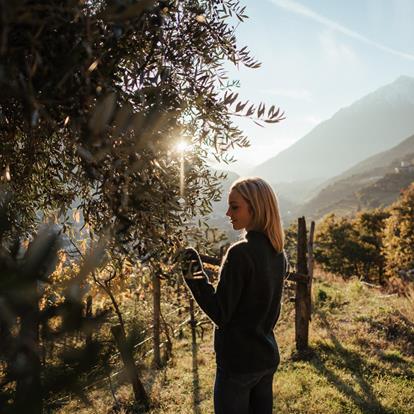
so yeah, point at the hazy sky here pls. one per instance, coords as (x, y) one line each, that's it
(317, 57)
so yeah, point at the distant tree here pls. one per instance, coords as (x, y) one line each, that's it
(95, 96)
(375, 244)
(329, 241)
(398, 245)
(291, 239)
(370, 228)
(338, 247)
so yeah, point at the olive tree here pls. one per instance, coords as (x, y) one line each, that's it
(95, 96)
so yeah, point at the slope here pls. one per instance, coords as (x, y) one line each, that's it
(371, 183)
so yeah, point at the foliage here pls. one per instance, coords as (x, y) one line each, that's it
(30, 375)
(399, 235)
(335, 245)
(352, 246)
(373, 244)
(370, 227)
(95, 95)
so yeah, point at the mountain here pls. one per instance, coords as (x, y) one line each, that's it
(374, 123)
(374, 182)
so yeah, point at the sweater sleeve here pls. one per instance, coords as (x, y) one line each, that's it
(219, 304)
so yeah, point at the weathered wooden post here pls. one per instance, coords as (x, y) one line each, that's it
(310, 265)
(302, 300)
(193, 322)
(168, 342)
(156, 296)
(131, 369)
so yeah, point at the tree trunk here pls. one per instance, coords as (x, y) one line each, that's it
(106, 287)
(88, 315)
(132, 371)
(156, 300)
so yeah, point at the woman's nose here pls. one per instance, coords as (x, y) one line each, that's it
(228, 212)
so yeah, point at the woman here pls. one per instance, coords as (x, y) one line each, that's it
(246, 304)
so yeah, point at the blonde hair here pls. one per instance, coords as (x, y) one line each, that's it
(265, 208)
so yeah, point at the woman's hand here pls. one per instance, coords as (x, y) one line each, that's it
(191, 264)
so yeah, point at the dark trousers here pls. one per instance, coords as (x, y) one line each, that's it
(243, 393)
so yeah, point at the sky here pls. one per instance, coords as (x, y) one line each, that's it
(317, 57)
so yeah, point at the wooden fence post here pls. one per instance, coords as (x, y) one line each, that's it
(302, 302)
(132, 371)
(310, 265)
(156, 296)
(192, 322)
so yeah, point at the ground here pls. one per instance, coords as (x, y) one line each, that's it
(361, 360)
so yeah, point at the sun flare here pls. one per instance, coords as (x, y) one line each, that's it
(182, 146)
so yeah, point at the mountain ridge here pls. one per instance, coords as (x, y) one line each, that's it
(373, 123)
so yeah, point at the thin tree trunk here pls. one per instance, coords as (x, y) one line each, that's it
(132, 370)
(88, 314)
(156, 300)
(116, 308)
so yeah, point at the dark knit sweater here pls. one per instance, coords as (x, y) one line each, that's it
(246, 305)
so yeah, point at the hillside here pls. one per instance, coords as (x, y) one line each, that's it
(370, 125)
(379, 162)
(362, 361)
(369, 184)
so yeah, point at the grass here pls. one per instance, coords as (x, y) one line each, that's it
(361, 361)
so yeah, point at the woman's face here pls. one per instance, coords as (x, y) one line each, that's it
(239, 211)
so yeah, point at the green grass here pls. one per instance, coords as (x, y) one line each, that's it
(361, 361)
